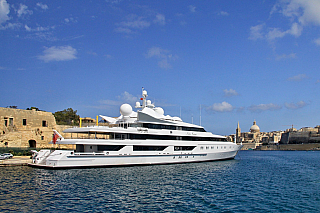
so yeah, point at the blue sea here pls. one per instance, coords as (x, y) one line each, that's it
(256, 181)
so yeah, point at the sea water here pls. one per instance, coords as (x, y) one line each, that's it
(256, 181)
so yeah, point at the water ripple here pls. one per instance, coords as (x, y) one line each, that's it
(258, 182)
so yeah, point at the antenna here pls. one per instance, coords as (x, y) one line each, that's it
(200, 114)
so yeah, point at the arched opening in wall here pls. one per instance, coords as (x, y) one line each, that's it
(32, 144)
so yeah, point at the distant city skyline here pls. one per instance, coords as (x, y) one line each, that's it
(240, 61)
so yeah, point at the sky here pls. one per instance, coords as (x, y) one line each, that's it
(214, 63)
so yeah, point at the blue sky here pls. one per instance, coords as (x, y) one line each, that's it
(236, 60)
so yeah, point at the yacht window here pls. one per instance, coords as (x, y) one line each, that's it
(110, 147)
(149, 148)
(183, 148)
(79, 148)
(161, 126)
(155, 137)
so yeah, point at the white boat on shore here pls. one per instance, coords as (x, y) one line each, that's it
(145, 137)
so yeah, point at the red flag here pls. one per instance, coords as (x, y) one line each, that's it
(55, 137)
(141, 99)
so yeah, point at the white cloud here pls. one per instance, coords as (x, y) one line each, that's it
(62, 53)
(256, 32)
(37, 29)
(295, 30)
(160, 19)
(300, 13)
(129, 98)
(298, 105)
(223, 13)
(164, 56)
(132, 24)
(275, 33)
(192, 8)
(42, 6)
(23, 10)
(230, 92)
(305, 11)
(4, 11)
(110, 102)
(221, 107)
(10, 26)
(284, 56)
(299, 77)
(123, 98)
(317, 41)
(264, 107)
(70, 20)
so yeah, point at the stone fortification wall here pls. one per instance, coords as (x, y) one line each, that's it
(300, 138)
(285, 147)
(27, 128)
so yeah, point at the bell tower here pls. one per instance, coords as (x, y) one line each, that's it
(238, 133)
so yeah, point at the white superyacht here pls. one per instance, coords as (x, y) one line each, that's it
(144, 137)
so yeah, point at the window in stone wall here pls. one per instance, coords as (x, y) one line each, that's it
(42, 137)
(24, 122)
(11, 121)
(5, 121)
(44, 123)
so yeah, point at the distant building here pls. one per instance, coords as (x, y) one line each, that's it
(27, 128)
(302, 136)
(255, 138)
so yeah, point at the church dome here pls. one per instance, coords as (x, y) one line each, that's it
(254, 127)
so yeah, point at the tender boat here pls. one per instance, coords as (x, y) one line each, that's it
(145, 137)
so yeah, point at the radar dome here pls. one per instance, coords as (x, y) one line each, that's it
(125, 109)
(159, 110)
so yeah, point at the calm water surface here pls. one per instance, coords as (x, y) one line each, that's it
(256, 181)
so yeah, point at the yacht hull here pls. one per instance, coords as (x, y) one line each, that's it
(63, 159)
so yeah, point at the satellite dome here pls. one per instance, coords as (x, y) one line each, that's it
(176, 119)
(125, 109)
(159, 110)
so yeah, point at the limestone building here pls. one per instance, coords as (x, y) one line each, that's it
(304, 135)
(26, 128)
(255, 137)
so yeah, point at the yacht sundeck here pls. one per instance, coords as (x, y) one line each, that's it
(144, 137)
